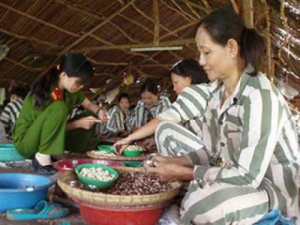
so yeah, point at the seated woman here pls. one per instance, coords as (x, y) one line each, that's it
(119, 115)
(12, 110)
(249, 161)
(40, 129)
(184, 75)
(149, 106)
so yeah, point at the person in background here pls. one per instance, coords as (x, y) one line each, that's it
(12, 110)
(149, 106)
(80, 139)
(40, 129)
(117, 124)
(249, 159)
(184, 75)
(3, 135)
(147, 109)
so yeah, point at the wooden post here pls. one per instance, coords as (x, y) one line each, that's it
(156, 22)
(248, 13)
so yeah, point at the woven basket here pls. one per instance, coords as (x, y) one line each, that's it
(117, 158)
(103, 199)
(9, 153)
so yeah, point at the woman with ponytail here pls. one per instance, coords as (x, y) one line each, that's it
(42, 124)
(247, 162)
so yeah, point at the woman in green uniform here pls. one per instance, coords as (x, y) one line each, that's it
(42, 124)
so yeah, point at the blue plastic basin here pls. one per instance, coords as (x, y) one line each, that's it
(21, 190)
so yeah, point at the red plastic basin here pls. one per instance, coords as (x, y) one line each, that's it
(69, 164)
(99, 215)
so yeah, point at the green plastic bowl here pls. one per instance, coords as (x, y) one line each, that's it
(132, 153)
(133, 163)
(96, 183)
(107, 148)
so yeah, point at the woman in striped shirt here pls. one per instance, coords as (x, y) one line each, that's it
(247, 162)
(12, 110)
(149, 106)
(119, 115)
(183, 74)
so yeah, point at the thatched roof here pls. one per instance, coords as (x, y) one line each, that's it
(39, 32)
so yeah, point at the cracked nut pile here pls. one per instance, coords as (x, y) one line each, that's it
(103, 153)
(133, 148)
(137, 183)
(97, 174)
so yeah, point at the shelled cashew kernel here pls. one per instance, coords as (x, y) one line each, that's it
(133, 148)
(97, 174)
(103, 153)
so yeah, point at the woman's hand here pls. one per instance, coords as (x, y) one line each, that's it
(167, 168)
(120, 145)
(86, 122)
(103, 115)
(171, 171)
(149, 143)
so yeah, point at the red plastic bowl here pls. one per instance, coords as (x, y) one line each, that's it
(69, 164)
(99, 215)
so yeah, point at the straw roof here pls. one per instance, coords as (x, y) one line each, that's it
(39, 32)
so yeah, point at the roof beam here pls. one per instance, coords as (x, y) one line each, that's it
(22, 65)
(38, 20)
(87, 34)
(28, 38)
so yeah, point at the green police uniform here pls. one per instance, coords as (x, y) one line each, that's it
(43, 129)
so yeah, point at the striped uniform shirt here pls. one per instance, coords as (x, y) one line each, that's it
(141, 115)
(76, 111)
(118, 120)
(10, 114)
(251, 139)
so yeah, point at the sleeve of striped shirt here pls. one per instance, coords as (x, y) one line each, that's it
(9, 114)
(262, 121)
(164, 105)
(115, 123)
(138, 117)
(191, 103)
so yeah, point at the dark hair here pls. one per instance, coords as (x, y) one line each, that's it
(73, 64)
(149, 86)
(225, 24)
(123, 95)
(190, 68)
(18, 90)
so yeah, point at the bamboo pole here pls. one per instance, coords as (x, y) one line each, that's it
(29, 38)
(205, 9)
(269, 72)
(248, 13)
(235, 6)
(183, 11)
(87, 34)
(23, 66)
(137, 23)
(287, 29)
(177, 11)
(192, 9)
(156, 22)
(179, 29)
(38, 20)
(205, 3)
(95, 16)
(150, 19)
